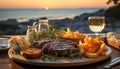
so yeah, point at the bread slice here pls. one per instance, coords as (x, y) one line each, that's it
(113, 39)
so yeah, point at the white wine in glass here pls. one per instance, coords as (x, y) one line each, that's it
(96, 24)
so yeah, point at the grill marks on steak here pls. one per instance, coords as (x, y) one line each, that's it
(41, 43)
(59, 47)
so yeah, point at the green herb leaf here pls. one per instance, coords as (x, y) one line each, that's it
(46, 57)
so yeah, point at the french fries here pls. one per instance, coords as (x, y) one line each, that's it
(73, 35)
(92, 47)
(82, 51)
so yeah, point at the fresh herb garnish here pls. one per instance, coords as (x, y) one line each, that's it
(73, 55)
(46, 57)
(51, 33)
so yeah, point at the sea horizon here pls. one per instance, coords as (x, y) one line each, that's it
(51, 13)
(55, 8)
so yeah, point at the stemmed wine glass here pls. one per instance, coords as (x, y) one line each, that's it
(96, 24)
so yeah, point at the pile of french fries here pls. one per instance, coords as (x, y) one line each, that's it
(89, 46)
(73, 35)
(92, 47)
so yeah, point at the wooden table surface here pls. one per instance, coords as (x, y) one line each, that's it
(6, 63)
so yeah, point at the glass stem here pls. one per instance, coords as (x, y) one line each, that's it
(96, 34)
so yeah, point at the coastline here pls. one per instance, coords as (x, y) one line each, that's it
(79, 23)
(53, 13)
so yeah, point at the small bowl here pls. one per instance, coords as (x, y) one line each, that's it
(4, 44)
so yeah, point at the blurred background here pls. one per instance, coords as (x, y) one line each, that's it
(16, 15)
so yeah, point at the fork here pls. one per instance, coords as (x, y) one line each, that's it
(112, 63)
(115, 59)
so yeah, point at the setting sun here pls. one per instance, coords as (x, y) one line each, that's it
(46, 8)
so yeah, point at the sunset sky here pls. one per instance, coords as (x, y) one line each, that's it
(52, 3)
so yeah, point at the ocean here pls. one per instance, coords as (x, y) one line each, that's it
(26, 14)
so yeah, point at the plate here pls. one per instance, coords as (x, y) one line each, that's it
(4, 48)
(61, 61)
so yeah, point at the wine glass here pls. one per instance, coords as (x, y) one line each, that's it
(96, 24)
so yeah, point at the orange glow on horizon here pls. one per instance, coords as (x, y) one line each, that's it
(52, 3)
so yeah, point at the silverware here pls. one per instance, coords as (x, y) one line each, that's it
(113, 62)
(117, 58)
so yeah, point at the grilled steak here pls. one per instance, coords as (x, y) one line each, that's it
(58, 47)
(40, 43)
